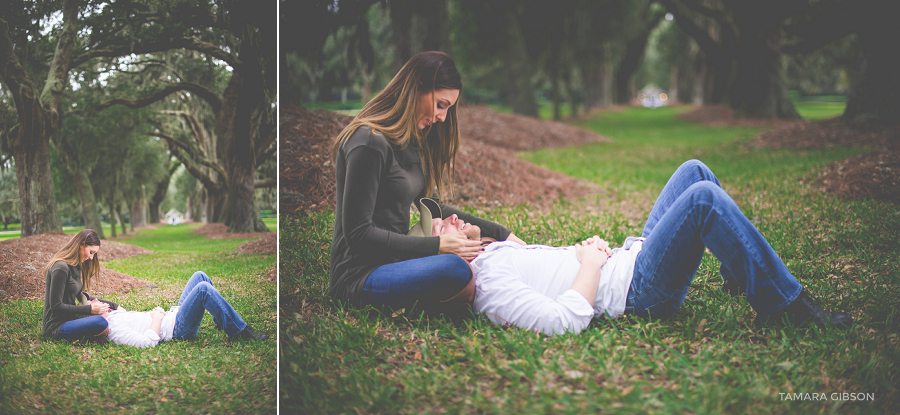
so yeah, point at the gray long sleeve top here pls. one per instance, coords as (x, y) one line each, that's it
(377, 183)
(61, 291)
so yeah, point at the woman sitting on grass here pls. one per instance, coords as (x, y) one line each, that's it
(146, 329)
(69, 312)
(559, 289)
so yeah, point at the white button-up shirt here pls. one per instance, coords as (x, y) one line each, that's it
(132, 328)
(530, 286)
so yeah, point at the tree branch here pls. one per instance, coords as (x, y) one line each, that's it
(59, 68)
(201, 91)
(175, 147)
(158, 46)
(710, 47)
(269, 182)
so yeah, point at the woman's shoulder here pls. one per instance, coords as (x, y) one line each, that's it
(368, 137)
(58, 266)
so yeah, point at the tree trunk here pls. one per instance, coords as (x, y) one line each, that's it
(243, 96)
(30, 145)
(401, 22)
(138, 212)
(120, 220)
(874, 95)
(112, 220)
(90, 210)
(518, 68)
(631, 61)
(758, 90)
(437, 35)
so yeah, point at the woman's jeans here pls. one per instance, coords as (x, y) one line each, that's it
(82, 328)
(692, 213)
(199, 295)
(429, 279)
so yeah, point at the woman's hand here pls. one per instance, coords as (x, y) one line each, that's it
(594, 250)
(98, 307)
(459, 244)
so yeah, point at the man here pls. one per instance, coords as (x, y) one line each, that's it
(182, 321)
(558, 289)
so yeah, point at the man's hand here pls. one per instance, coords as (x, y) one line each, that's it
(593, 250)
(157, 313)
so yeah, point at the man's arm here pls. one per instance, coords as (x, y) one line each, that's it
(592, 254)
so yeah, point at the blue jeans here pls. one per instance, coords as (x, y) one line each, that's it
(692, 213)
(199, 295)
(81, 328)
(428, 279)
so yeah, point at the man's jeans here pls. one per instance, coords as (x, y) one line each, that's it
(429, 279)
(81, 328)
(692, 213)
(199, 295)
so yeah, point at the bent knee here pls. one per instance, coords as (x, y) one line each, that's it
(455, 271)
(707, 191)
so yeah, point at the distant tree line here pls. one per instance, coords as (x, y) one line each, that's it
(104, 101)
(588, 54)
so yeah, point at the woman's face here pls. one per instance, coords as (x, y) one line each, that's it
(88, 252)
(433, 106)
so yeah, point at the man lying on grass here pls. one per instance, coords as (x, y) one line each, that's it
(558, 289)
(146, 329)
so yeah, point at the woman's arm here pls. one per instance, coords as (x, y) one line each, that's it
(57, 289)
(364, 169)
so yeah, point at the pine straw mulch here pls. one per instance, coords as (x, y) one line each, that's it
(264, 242)
(488, 173)
(875, 174)
(22, 264)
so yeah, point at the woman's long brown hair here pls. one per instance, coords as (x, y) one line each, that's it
(70, 253)
(393, 113)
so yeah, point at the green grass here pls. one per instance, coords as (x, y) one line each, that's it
(15, 229)
(819, 110)
(706, 359)
(205, 375)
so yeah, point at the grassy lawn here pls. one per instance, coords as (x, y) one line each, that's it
(15, 229)
(205, 375)
(707, 359)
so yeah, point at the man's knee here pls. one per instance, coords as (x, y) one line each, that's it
(707, 191)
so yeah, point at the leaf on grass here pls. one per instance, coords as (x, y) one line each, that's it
(574, 374)
(418, 355)
(398, 312)
(627, 390)
(700, 326)
(786, 365)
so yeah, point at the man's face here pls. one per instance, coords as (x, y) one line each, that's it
(452, 224)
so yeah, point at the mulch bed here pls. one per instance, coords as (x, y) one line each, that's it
(723, 116)
(22, 264)
(264, 242)
(488, 173)
(875, 174)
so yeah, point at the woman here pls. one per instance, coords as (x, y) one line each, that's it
(182, 321)
(398, 149)
(559, 289)
(68, 278)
